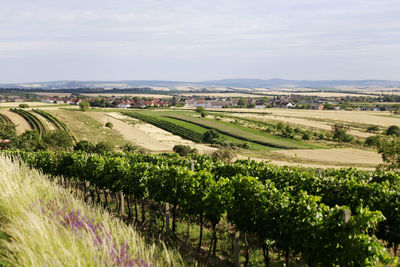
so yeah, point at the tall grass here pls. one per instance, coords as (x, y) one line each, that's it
(42, 224)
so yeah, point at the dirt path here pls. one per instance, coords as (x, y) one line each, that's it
(21, 124)
(148, 135)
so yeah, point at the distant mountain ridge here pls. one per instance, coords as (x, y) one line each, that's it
(235, 83)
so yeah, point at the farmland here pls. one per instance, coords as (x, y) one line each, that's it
(201, 224)
(236, 127)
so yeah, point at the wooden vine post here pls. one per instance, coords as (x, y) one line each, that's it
(122, 203)
(167, 217)
(236, 250)
(346, 217)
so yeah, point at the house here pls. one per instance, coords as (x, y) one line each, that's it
(123, 105)
(75, 101)
(316, 106)
(290, 105)
(46, 100)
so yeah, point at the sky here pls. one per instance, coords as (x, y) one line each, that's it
(192, 40)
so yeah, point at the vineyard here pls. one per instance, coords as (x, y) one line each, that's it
(168, 126)
(331, 217)
(32, 120)
(4, 119)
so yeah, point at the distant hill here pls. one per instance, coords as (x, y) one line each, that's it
(227, 83)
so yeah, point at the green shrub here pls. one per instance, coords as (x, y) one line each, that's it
(223, 154)
(85, 146)
(372, 140)
(23, 105)
(103, 147)
(109, 124)
(183, 150)
(210, 136)
(373, 129)
(306, 135)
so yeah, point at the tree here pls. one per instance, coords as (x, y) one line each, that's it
(339, 132)
(84, 105)
(389, 148)
(109, 124)
(393, 130)
(203, 114)
(242, 103)
(210, 136)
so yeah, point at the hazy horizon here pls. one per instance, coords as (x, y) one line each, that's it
(104, 40)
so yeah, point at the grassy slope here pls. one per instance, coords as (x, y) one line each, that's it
(84, 127)
(39, 237)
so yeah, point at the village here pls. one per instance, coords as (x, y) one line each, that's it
(285, 102)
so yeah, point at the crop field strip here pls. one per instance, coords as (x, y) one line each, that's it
(199, 129)
(33, 121)
(168, 126)
(243, 133)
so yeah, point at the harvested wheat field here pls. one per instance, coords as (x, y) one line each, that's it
(21, 124)
(130, 133)
(344, 156)
(364, 117)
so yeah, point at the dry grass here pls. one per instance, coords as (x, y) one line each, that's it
(84, 127)
(38, 236)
